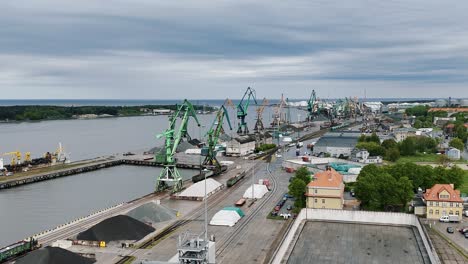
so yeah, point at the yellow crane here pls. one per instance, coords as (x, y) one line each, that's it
(27, 157)
(15, 157)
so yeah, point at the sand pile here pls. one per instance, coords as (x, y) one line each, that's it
(152, 213)
(117, 228)
(53, 255)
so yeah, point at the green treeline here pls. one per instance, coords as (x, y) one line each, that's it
(45, 112)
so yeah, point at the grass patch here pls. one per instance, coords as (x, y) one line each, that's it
(464, 187)
(130, 260)
(269, 216)
(420, 157)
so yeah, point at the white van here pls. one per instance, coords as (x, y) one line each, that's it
(449, 218)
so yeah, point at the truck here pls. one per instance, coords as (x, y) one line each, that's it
(450, 218)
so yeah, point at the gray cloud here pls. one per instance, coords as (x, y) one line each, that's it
(169, 49)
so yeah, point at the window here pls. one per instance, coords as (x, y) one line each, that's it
(429, 203)
(315, 200)
(451, 212)
(457, 212)
(323, 200)
(451, 204)
(437, 212)
(431, 212)
(315, 190)
(437, 204)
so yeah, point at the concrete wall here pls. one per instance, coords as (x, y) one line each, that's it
(355, 217)
(334, 151)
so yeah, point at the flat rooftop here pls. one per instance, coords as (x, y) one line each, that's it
(331, 242)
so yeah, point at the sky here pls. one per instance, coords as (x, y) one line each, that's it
(196, 49)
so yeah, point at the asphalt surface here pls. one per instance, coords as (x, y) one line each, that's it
(326, 242)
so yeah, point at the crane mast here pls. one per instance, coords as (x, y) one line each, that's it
(242, 108)
(213, 134)
(312, 106)
(259, 127)
(172, 137)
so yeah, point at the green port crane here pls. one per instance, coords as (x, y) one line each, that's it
(242, 108)
(216, 129)
(172, 139)
(311, 106)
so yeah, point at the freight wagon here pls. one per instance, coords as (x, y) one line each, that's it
(18, 249)
(233, 180)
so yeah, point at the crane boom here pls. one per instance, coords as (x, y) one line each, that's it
(242, 108)
(259, 124)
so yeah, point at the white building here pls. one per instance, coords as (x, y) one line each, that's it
(240, 146)
(401, 134)
(454, 153)
(363, 156)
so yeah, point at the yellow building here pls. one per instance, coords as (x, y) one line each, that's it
(326, 191)
(442, 200)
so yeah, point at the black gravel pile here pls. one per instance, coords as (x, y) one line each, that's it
(53, 255)
(117, 228)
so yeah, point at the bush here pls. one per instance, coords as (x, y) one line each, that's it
(265, 147)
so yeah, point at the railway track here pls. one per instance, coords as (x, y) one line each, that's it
(232, 236)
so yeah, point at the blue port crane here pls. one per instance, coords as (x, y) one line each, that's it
(169, 173)
(242, 108)
(216, 129)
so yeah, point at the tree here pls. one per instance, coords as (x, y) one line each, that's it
(443, 160)
(389, 144)
(374, 138)
(407, 147)
(297, 188)
(404, 191)
(362, 138)
(455, 176)
(392, 154)
(373, 148)
(303, 174)
(418, 124)
(457, 143)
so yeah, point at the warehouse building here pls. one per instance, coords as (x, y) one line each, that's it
(337, 144)
(240, 146)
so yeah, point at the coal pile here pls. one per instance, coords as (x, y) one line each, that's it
(53, 255)
(117, 228)
(152, 213)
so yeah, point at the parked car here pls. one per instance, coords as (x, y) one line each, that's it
(274, 213)
(450, 230)
(289, 208)
(466, 235)
(463, 230)
(277, 208)
(352, 193)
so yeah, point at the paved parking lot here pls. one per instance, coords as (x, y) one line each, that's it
(456, 237)
(327, 242)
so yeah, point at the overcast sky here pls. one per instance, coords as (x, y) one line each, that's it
(151, 49)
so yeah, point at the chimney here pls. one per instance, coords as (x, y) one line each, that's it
(453, 186)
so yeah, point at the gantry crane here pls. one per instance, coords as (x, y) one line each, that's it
(216, 129)
(259, 127)
(172, 139)
(242, 108)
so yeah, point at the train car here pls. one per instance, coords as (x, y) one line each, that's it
(18, 249)
(233, 180)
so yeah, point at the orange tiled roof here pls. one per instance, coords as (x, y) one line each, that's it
(448, 109)
(433, 193)
(329, 178)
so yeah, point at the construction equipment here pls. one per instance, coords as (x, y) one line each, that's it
(242, 108)
(259, 127)
(277, 119)
(27, 157)
(213, 134)
(312, 107)
(172, 139)
(15, 157)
